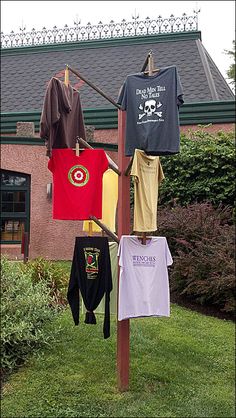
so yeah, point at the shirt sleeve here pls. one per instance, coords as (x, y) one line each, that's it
(169, 259)
(180, 99)
(104, 162)
(134, 168)
(73, 287)
(82, 132)
(50, 112)
(51, 164)
(122, 99)
(120, 252)
(160, 173)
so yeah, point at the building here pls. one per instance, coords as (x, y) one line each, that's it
(104, 54)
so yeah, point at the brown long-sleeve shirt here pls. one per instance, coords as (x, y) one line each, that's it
(62, 116)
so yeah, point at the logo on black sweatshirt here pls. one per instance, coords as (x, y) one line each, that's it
(91, 262)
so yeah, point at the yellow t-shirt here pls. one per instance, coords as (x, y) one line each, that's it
(109, 202)
(147, 173)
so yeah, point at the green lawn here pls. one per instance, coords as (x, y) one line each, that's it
(181, 366)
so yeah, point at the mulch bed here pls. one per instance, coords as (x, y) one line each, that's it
(205, 310)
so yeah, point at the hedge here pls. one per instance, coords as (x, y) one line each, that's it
(202, 171)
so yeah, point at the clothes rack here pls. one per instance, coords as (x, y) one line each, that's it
(77, 148)
(150, 64)
(127, 171)
(86, 145)
(90, 232)
(67, 81)
(123, 327)
(112, 164)
(101, 92)
(105, 228)
(146, 61)
(114, 167)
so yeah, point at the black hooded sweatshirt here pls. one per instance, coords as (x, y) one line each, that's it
(91, 276)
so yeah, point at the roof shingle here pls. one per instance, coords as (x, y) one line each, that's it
(25, 74)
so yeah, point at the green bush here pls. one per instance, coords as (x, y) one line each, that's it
(202, 171)
(24, 312)
(201, 239)
(55, 278)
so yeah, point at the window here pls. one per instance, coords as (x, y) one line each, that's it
(15, 203)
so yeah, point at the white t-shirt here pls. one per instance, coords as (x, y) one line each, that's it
(143, 281)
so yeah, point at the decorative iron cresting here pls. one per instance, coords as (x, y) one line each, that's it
(100, 31)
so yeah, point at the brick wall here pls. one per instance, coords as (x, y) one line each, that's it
(53, 238)
(48, 238)
(226, 127)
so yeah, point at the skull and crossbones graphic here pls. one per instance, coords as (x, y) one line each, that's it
(149, 109)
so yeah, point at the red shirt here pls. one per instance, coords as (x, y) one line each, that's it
(77, 183)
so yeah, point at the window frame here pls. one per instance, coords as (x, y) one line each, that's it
(21, 216)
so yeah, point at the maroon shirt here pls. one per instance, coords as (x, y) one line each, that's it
(62, 116)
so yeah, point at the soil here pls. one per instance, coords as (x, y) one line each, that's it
(205, 310)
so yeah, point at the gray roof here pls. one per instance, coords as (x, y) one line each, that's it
(25, 72)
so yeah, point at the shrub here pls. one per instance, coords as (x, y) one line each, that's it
(202, 171)
(24, 311)
(185, 225)
(201, 240)
(206, 273)
(54, 277)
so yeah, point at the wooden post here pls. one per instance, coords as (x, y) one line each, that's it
(79, 75)
(144, 238)
(104, 228)
(77, 149)
(123, 336)
(66, 76)
(111, 163)
(150, 64)
(90, 232)
(123, 228)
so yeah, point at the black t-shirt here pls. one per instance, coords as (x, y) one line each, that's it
(151, 102)
(91, 276)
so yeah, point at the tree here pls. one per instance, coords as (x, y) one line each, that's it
(231, 70)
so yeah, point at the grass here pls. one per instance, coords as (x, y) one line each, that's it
(181, 366)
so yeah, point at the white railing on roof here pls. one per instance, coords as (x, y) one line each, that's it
(100, 31)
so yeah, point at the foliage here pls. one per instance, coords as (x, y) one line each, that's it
(53, 275)
(201, 239)
(24, 311)
(202, 171)
(182, 366)
(231, 70)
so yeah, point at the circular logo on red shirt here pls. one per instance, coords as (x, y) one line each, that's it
(78, 175)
